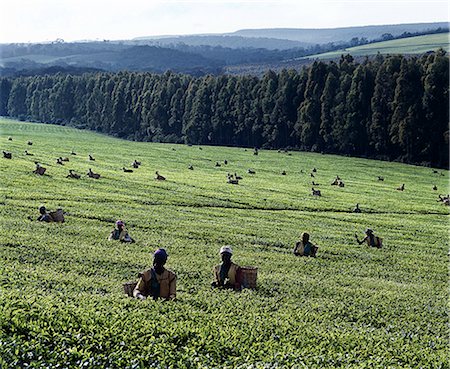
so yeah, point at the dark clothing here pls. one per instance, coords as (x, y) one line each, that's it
(372, 241)
(45, 218)
(223, 273)
(227, 276)
(307, 249)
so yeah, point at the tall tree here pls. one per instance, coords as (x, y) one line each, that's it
(405, 128)
(198, 127)
(358, 111)
(269, 86)
(5, 90)
(383, 96)
(308, 122)
(435, 104)
(17, 98)
(327, 100)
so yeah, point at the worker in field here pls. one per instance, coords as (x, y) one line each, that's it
(304, 247)
(120, 233)
(357, 209)
(370, 239)
(157, 282)
(227, 274)
(44, 216)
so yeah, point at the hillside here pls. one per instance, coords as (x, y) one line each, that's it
(284, 38)
(106, 56)
(61, 298)
(412, 45)
(199, 54)
(228, 41)
(326, 35)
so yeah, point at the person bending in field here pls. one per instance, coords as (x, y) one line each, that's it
(227, 274)
(357, 209)
(304, 247)
(120, 233)
(44, 216)
(370, 239)
(157, 282)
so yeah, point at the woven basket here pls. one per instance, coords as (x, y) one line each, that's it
(40, 171)
(128, 288)
(57, 216)
(249, 276)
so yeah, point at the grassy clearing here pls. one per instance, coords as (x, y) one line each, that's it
(411, 45)
(61, 299)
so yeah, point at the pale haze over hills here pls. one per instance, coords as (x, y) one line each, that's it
(284, 38)
(48, 20)
(207, 35)
(233, 53)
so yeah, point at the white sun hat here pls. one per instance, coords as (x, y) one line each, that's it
(226, 249)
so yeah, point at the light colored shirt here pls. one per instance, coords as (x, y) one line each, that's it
(167, 284)
(122, 234)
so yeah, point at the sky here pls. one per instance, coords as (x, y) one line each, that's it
(72, 20)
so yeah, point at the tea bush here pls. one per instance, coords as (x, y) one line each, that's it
(61, 299)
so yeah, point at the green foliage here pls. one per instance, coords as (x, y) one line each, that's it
(61, 298)
(392, 108)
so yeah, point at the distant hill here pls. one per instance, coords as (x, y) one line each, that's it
(411, 45)
(228, 41)
(241, 51)
(147, 58)
(326, 35)
(104, 56)
(38, 70)
(286, 38)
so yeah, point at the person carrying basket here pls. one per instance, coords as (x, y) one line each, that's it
(227, 274)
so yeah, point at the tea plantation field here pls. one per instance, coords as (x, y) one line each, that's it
(61, 298)
(410, 45)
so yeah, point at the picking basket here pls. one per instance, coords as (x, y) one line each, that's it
(40, 171)
(249, 276)
(128, 288)
(57, 216)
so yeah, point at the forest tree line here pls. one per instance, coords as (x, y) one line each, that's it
(392, 108)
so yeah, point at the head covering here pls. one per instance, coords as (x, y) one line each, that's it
(42, 207)
(160, 253)
(120, 223)
(368, 230)
(305, 236)
(226, 249)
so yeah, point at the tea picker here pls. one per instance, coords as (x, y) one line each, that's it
(157, 282)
